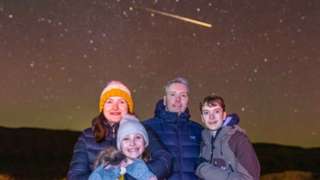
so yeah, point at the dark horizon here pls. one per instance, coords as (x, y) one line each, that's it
(79, 131)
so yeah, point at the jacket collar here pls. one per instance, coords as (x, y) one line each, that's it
(110, 131)
(221, 133)
(170, 117)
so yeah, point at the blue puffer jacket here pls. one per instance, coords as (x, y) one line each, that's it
(181, 136)
(86, 150)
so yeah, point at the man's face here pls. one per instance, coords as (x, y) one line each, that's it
(212, 116)
(176, 98)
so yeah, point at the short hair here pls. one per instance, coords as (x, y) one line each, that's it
(179, 80)
(213, 100)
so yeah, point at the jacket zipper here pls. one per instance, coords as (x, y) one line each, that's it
(113, 131)
(213, 139)
(113, 135)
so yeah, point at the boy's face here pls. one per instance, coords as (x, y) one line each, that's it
(212, 116)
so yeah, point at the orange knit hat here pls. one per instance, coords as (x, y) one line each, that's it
(116, 88)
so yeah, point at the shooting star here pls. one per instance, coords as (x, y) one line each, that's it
(207, 25)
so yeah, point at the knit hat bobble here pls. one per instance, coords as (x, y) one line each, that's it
(131, 125)
(116, 88)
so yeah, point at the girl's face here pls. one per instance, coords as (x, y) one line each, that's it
(114, 109)
(132, 146)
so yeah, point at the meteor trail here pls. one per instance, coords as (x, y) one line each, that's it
(180, 18)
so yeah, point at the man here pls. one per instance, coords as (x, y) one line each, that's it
(179, 134)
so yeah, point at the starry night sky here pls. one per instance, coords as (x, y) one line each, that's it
(263, 57)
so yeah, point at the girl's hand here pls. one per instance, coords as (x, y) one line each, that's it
(153, 178)
(139, 170)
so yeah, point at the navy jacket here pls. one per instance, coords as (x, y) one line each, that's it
(181, 136)
(86, 150)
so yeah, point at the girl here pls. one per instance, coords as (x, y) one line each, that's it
(132, 139)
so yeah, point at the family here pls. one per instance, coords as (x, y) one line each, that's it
(167, 146)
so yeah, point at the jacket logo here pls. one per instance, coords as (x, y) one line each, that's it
(193, 137)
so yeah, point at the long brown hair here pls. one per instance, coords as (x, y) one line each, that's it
(99, 131)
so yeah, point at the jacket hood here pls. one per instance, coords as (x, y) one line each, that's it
(161, 112)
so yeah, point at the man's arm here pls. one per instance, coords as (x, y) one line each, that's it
(161, 159)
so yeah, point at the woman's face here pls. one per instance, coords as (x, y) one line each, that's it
(132, 145)
(114, 109)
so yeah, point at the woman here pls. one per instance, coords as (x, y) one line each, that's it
(115, 102)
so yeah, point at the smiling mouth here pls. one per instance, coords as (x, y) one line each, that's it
(213, 122)
(115, 113)
(133, 150)
(177, 106)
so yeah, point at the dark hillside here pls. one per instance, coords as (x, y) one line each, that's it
(28, 153)
(279, 158)
(33, 153)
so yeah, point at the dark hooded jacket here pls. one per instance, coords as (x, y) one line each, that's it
(181, 136)
(86, 150)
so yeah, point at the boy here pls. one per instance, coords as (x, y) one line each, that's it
(226, 152)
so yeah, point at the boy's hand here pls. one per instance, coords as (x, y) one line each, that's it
(220, 163)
